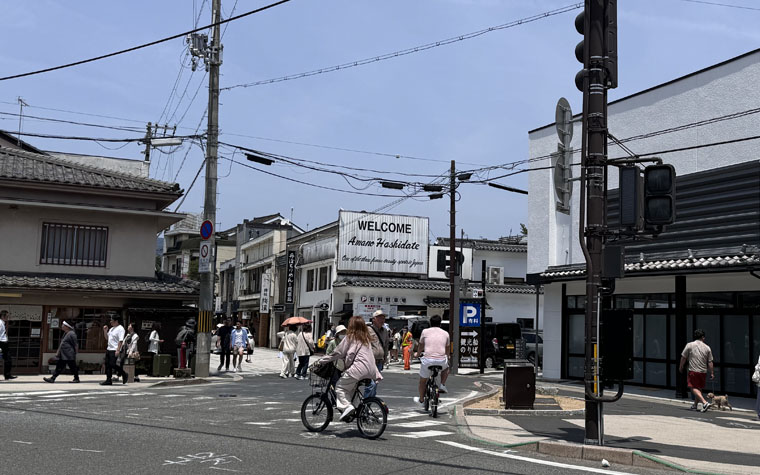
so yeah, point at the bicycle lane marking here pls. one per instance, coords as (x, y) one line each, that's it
(532, 460)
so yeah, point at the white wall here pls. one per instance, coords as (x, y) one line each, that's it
(730, 88)
(552, 318)
(515, 264)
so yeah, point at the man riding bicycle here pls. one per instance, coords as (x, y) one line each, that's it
(434, 342)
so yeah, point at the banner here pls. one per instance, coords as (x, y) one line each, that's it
(372, 242)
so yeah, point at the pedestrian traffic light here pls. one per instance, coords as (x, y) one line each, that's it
(659, 195)
(616, 344)
(631, 198)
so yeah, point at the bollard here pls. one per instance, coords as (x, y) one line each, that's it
(183, 356)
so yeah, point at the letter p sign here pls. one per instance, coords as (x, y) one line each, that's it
(469, 315)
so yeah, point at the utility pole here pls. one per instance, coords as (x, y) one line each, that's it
(453, 265)
(21, 104)
(213, 60)
(148, 137)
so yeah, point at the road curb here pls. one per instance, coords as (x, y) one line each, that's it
(180, 382)
(523, 412)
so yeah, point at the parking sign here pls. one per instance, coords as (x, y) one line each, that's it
(469, 315)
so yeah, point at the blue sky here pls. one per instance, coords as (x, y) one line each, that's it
(473, 101)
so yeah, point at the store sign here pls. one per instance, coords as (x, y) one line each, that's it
(440, 257)
(373, 242)
(146, 325)
(31, 313)
(265, 290)
(290, 276)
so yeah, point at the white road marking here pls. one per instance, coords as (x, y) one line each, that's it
(532, 460)
(422, 434)
(251, 404)
(415, 424)
(81, 394)
(259, 423)
(87, 450)
(270, 402)
(35, 393)
(21, 442)
(171, 395)
(270, 408)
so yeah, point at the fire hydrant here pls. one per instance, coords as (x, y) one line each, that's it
(183, 356)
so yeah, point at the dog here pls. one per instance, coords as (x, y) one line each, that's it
(720, 401)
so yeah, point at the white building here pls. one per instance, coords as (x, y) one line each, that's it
(697, 274)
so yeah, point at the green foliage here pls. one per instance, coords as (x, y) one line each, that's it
(523, 229)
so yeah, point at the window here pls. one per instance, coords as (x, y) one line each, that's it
(324, 277)
(73, 245)
(310, 280)
(88, 326)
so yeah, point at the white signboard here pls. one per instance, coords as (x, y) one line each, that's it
(204, 259)
(365, 310)
(372, 242)
(265, 286)
(439, 259)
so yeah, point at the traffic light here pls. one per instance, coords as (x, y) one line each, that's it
(598, 25)
(659, 195)
(631, 198)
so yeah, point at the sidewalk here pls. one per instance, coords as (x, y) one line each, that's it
(647, 420)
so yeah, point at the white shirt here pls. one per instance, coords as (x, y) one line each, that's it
(115, 335)
(3, 334)
(154, 339)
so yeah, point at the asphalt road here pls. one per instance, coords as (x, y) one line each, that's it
(247, 426)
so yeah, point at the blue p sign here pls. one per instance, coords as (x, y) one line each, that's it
(469, 315)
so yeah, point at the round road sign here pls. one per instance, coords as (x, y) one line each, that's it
(206, 229)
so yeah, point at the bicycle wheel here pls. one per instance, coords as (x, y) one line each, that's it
(426, 403)
(316, 413)
(372, 418)
(434, 402)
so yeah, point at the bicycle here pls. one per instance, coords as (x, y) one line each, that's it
(371, 413)
(432, 391)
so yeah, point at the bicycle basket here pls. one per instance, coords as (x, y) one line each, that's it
(324, 371)
(317, 381)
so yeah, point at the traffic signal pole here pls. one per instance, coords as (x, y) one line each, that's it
(593, 165)
(453, 265)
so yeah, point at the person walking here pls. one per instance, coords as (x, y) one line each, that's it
(379, 341)
(7, 362)
(238, 345)
(115, 340)
(406, 346)
(396, 346)
(757, 404)
(223, 343)
(304, 350)
(132, 353)
(288, 348)
(66, 354)
(154, 339)
(356, 352)
(251, 344)
(700, 359)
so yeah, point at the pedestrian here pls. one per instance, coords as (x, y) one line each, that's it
(356, 352)
(700, 359)
(379, 340)
(223, 343)
(304, 350)
(406, 345)
(288, 348)
(434, 343)
(7, 366)
(129, 353)
(66, 354)
(396, 346)
(186, 335)
(115, 340)
(238, 345)
(251, 344)
(154, 339)
(757, 381)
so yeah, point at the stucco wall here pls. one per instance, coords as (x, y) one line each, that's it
(131, 241)
(726, 89)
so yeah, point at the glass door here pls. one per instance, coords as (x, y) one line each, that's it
(25, 342)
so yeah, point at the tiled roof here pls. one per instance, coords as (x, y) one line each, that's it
(502, 245)
(164, 285)
(665, 265)
(429, 285)
(35, 168)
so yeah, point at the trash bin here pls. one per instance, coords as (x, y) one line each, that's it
(162, 365)
(519, 384)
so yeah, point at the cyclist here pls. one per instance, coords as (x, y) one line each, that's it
(355, 351)
(434, 342)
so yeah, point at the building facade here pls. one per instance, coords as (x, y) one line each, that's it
(701, 271)
(87, 252)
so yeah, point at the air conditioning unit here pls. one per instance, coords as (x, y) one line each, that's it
(495, 275)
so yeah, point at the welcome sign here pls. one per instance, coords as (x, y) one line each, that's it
(371, 242)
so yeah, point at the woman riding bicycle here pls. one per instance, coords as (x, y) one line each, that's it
(356, 353)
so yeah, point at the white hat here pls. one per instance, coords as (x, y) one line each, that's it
(340, 328)
(65, 323)
(378, 313)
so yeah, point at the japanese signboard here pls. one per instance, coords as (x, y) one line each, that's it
(290, 277)
(265, 291)
(468, 347)
(372, 242)
(204, 260)
(469, 315)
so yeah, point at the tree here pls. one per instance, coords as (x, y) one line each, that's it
(192, 270)
(523, 229)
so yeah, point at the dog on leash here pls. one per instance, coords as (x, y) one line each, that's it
(720, 401)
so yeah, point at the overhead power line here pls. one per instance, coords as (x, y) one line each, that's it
(412, 50)
(145, 45)
(96, 139)
(72, 122)
(717, 4)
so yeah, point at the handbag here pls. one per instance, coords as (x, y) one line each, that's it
(135, 355)
(756, 377)
(325, 370)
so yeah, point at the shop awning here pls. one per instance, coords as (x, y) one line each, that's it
(443, 302)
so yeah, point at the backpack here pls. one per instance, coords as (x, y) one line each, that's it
(322, 342)
(181, 336)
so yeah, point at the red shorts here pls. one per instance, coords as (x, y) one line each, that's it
(696, 380)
